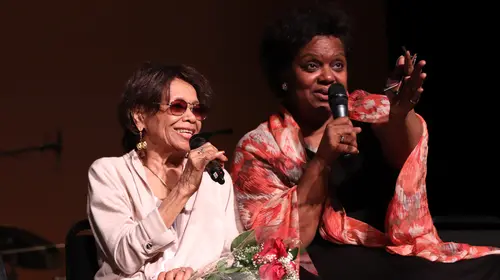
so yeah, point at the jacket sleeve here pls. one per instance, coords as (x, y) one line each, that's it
(233, 223)
(126, 243)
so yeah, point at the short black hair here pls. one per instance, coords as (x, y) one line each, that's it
(284, 38)
(144, 91)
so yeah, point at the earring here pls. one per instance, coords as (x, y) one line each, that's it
(142, 145)
(284, 86)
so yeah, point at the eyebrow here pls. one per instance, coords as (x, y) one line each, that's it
(312, 55)
(180, 98)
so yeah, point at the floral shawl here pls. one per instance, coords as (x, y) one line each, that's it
(269, 161)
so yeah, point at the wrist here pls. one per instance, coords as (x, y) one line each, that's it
(320, 163)
(182, 192)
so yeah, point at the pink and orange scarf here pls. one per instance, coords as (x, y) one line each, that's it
(269, 161)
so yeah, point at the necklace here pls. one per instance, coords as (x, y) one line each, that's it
(161, 180)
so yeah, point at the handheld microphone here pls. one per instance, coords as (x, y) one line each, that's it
(213, 168)
(337, 99)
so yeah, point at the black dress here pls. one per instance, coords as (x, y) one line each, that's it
(364, 185)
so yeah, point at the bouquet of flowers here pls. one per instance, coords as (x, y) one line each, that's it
(271, 259)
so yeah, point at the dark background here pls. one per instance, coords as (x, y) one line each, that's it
(460, 100)
(64, 64)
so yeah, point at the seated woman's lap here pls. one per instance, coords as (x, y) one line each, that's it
(357, 262)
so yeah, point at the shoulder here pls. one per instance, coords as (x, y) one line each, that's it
(104, 164)
(110, 172)
(254, 134)
(259, 138)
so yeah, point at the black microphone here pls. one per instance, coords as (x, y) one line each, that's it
(337, 99)
(214, 168)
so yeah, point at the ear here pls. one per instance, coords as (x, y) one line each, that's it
(287, 77)
(139, 119)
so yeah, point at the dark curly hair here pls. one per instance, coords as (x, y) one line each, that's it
(145, 89)
(284, 38)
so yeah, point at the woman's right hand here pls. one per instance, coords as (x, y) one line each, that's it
(181, 273)
(339, 138)
(197, 160)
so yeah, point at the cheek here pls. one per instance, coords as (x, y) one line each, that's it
(164, 124)
(341, 77)
(305, 80)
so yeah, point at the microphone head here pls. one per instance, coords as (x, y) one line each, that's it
(197, 141)
(337, 94)
(337, 99)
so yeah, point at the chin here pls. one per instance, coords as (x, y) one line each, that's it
(320, 113)
(321, 108)
(183, 148)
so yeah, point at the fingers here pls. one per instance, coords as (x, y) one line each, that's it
(171, 274)
(181, 273)
(209, 152)
(408, 62)
(397, 73)
(220, 155)
(188, 273)
(201, 156)
(161, 276)
(340, 121)
(400, 61)
(412, 87)
(205, 149)
(343, 138)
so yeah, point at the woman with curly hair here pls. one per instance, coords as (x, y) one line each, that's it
(355, 215)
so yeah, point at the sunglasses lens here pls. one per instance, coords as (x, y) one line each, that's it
(200, 112)
(178, 107)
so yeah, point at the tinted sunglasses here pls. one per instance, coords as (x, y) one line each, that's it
(178, 107)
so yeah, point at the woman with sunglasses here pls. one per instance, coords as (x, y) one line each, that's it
(154, 212)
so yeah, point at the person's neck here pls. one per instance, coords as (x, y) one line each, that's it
(312, 129)
(161, 162)
(313, 134)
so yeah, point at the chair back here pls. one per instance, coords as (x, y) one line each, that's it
(3, 274)
(81, 252)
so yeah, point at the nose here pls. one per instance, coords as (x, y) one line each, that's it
(188, 115)
(327, 76)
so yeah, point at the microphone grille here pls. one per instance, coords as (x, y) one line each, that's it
(338, 94)
(197, 141)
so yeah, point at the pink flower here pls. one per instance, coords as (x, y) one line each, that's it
(272, 271)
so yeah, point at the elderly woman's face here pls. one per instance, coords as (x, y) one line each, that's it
(169, 131)
(319, 64)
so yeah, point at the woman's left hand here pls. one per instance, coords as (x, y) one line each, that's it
(181, 273)
(404, 97)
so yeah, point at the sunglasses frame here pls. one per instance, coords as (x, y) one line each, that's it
(189, 106)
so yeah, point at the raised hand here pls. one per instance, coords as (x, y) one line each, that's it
(197, 160)
(406, 85)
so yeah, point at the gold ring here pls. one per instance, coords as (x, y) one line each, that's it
(341, 138)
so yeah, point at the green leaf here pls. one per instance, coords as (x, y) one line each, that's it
(232, 270)
(295, 252)
(213, 277)
(242, 239)
(221, 263)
